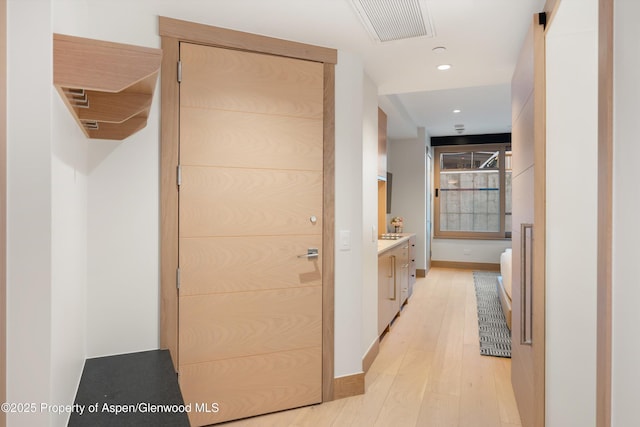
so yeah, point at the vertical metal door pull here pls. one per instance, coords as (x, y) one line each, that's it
(526, 304)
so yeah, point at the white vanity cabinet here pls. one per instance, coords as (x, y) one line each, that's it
(394, 279)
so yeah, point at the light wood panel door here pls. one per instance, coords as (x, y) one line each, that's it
(528, 183)
(250, 299)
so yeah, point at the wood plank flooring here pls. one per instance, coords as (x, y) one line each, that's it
(429, 371)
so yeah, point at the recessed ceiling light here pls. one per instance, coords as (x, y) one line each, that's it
(439, 49)
(456, 111)
(443, 67)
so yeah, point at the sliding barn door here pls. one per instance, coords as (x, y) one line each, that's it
(528, 183)
(250, 232)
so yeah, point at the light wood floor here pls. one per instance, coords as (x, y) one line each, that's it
(429, 371)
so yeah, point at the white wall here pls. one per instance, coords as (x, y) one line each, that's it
(47, 250)
(349, 177)
(407, 161)
(461, 250)
(369, 215)
(123, 197)
(69, 257)
(571, 258)
(626, 205)
(123, 302)
(29, 222)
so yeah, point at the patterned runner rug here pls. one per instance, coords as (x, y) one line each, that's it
(495, 337)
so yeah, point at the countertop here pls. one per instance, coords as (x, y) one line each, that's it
(385, 245)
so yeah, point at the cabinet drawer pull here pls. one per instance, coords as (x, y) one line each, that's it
(393, 266)
(526, 305)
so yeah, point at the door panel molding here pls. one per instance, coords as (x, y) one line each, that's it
(169, 137)
(173, 32)
(294, 364)
(540, 229)
(328, 233)
(233, 318)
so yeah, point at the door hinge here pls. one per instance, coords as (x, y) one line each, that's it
(178, 278)
(179, 71)
(179, 175)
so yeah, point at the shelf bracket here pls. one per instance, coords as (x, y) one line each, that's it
(107, 87)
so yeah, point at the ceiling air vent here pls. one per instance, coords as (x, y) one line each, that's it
(388, 20)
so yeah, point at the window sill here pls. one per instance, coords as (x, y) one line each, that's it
(470, 238)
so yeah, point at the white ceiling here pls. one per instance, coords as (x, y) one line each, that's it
(482, 38)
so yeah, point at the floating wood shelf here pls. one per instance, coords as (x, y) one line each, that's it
(108, 87)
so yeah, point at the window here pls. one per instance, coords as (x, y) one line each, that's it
(473, 191)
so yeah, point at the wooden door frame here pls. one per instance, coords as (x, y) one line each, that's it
(539, 245)
(540, 226)
(173, 32)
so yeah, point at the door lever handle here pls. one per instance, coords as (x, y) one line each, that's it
(311, 253)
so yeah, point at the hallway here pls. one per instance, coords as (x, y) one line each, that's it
(429, 371)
